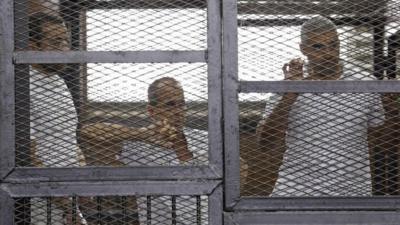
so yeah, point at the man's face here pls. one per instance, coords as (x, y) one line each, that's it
(170, 104)
(322, 50)
(55, 38)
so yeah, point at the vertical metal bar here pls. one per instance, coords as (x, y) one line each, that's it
(173, 211)
(7, 208)
(379, 44)
(7, 128)
(231, 110)
(215, 206)
(124, 209)
(214, 47)
(99, 210)
(74, 211)
(48, 210)
(148, 210)
(20, 79)
(198, 210)
(22, 95)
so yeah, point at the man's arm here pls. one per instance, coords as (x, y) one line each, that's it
(271, 131)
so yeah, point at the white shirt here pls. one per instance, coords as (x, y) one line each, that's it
(326, 144)
(143, 154)
(53, 120)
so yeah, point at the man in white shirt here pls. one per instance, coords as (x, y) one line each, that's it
(321, 139)
(53, 117)
(190, 147)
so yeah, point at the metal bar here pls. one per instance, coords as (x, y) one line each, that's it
(148, 210)
(98, 209)
(320, 203)
(214, 86)
(231, 110)
(6, 208)
(102, 173)
(173, 209)
(7, 127)
(378, 48)
(198, 210)
(313, 8)
(316, 218)
(21, 87)
(215, 208)
(105, 188)
(334, 86)
(296, 21)
(144, 4)
(37, 57)
(48, 210)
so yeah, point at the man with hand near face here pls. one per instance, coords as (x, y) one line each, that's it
(321, 139)
(189, 147)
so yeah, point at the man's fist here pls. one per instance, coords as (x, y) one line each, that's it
(294, 69)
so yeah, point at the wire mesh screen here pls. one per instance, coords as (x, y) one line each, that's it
(325, 144)
(108, 210)
(123, 25)
(129, 114)
(328, 144)
(111, 114)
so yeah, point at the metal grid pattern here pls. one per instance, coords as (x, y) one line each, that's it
(110, 210)
(316, 143)
(324, 151)
(105, 114)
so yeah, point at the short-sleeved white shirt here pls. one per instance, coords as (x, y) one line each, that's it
(53, 120)
(326, 144)
(136, 153)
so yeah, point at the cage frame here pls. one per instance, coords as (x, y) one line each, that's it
(24, 182)
(236, 203)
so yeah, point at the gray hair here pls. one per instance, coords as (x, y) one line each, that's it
(316, 25)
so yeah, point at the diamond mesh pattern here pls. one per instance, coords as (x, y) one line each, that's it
(117, 124)
(318, 144)
(113, 210)
(99, 114)
(124, 25)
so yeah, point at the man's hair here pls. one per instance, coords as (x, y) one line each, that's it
(316, 25)
(153, 92)
(36, 22)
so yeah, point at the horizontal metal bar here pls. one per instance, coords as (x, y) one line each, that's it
(106, 188)
(37, 57)
(144, 4)
(315, 7)
(331, 86)
(325, 203)
(296, 21)
(315, 218)
(107, 173)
